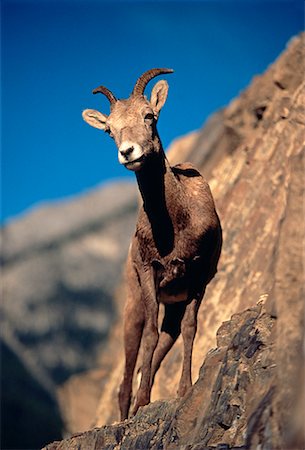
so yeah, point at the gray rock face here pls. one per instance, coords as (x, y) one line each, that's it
(61, 264)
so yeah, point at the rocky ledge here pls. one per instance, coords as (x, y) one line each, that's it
(217, 408)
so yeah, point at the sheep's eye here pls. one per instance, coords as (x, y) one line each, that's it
(149, 117)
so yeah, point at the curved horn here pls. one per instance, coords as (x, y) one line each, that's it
(106, 92)
(146, 77)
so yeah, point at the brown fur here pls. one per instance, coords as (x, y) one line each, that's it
(175, 249)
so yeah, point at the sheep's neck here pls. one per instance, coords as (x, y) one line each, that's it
(156, 183)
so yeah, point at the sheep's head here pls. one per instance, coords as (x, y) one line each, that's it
(132, 122)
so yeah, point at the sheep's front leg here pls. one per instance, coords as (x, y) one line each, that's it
(188, 331)
(149, 340)
(133, 327)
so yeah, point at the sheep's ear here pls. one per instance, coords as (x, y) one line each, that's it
(159, 96)
(95, 118)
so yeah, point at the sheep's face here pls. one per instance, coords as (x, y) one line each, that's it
(132, 125)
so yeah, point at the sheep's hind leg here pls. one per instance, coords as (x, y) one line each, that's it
(188, 331)
(170, 331)
(133, 328)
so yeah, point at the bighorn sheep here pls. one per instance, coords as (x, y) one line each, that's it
(175, 250)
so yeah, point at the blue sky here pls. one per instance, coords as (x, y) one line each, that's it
(55, 52)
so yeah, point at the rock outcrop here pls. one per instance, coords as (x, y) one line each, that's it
(249, 391)
(217, 409)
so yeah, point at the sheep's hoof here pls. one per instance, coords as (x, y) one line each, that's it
(140, 401)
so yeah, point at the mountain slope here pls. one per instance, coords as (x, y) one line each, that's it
(60, 266)
(245, 396)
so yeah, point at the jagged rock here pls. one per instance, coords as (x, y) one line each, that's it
(217, 409)
(246, 394)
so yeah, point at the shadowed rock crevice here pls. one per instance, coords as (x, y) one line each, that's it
(26, 404)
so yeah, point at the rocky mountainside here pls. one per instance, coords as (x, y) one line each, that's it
(61, 264)
(249, 351)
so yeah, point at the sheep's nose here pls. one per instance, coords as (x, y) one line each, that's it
(129, 151)
(126, 151)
